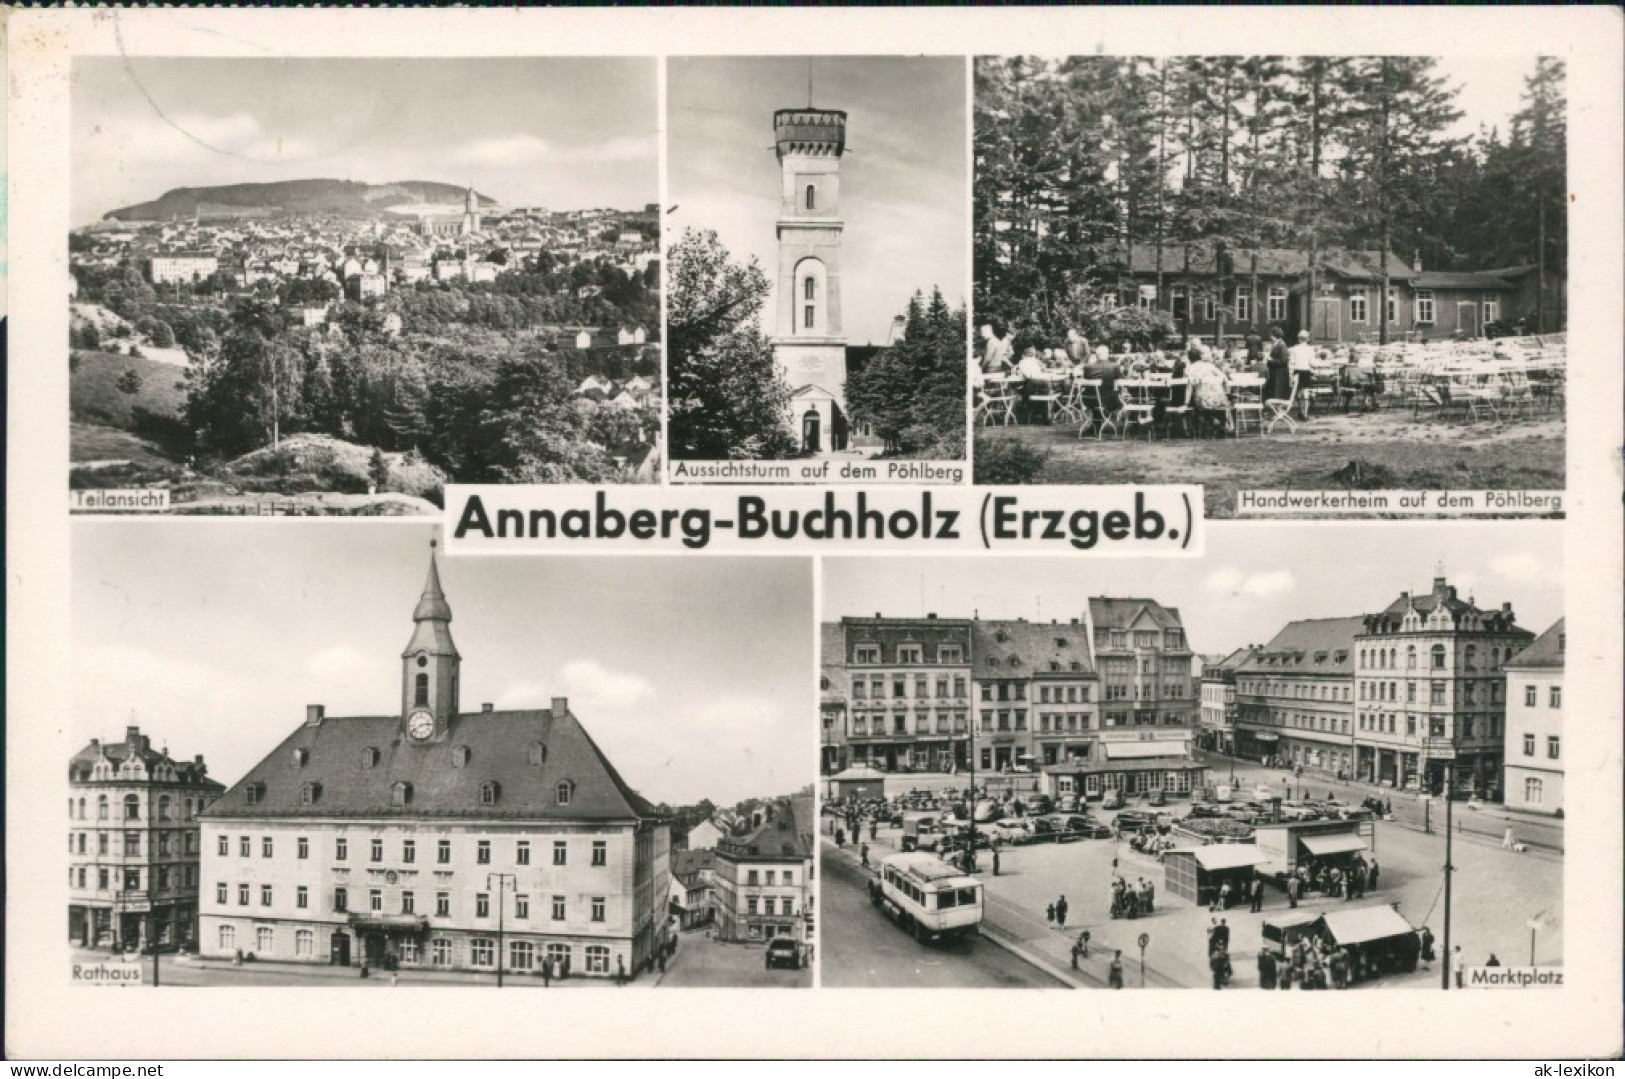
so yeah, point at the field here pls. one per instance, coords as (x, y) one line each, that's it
(1388, 449)
(94, 394)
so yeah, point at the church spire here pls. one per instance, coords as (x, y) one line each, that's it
(432, 604)
(429, 664)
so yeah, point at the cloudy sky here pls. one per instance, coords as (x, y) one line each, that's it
(694, 676)
(565, 133)
(1254, 579)
(904, 187)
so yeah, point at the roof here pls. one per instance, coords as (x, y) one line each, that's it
(1335, 843)
(1234, 661)
(787, 834)
(1110, 613)
(1031, 648)
(1443, 593)
(1122, 751)
(1320, 646)
(858, 772)
(1271, 261)
(1546, 652)
(689, 863)
(1227, 856)
(1366, 924)
(1453, 279)
(192, 773)
(498, 745)
(928, 867)
(1152, 764)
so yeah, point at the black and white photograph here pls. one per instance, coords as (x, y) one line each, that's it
(1272, 272)
(1239, 772)
(330, 287)
(817, 240)
(284, 775)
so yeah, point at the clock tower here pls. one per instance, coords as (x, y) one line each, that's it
(429, 665)
(810, 343)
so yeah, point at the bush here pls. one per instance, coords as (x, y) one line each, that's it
(1006, 461)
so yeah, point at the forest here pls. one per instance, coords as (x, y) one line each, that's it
(1078, 159)
(475, 380)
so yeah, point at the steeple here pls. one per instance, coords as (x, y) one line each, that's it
(429, 664)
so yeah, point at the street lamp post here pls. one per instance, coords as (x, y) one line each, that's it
(1449, 958)
(502, 881)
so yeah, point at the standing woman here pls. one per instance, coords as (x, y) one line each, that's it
(1277, 381)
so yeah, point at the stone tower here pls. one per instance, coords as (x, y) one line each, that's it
(810, 343)
(471, 213)
(429, 664)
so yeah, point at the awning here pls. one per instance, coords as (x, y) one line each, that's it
(1265, 736)
(1366, 924)
(1339, 843)
(1229, 856)
(1120, 751)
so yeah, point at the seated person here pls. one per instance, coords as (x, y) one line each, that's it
(1108, 373)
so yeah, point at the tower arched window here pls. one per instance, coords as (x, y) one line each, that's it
(810, 197)
(421, 696)
(809, 290)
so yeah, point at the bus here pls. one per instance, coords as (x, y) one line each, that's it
(929, 898)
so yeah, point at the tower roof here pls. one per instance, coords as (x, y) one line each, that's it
(432, 604)
(809, 131)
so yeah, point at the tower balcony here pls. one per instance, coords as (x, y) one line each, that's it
(813, 132)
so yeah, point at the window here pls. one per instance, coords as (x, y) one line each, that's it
(561, 795)
(302, 846)
(377, 850)
(409, 903)
(223, 848)
(421, 694)
(341, 900)
(440, 952)
(480, 952)
(1277, 303)
(369, 757)
(1393, 305)
(482, 852)
(409, 950)
(1438, 657)
(1424, 307)
(301, 897)
(810, 201)
(442, 904)
(600, 852)
(1534, 790)
(1553, 746)
(400, 794)
(559, 852)
(1358, 306)
(265, 895)
(482, 905)
(222, 893)
(228, 937)
(597, 908)
(490, 791)
(950, 654)
(442, 853)
(1492, 310)
(1180, 308)
(242, 895)
(409, 851)
(1531, 696)
(558, 908)
(752, 879)
(341, 849)
(521, 955)
(1244, 306)
(310, 793)
(866, 653)
(245, 846)
(909, 653)
(1556, 698)
(375, 900)
(304, 944)
(132, 807)
(521, 854)
(521, 906)
(597, 959)
(809, 287)
(807, 318)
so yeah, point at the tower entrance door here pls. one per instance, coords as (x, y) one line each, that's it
(811, 440)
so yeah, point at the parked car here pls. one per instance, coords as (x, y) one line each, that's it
(1112, 800)
(1136, 820)
(1067, 803)
(784, 952)
(1011, 833)
(1159, 798)
(1039, 804)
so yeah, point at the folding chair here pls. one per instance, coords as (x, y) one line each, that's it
(1139, 408)
(1070, 409)
(997, 404)
(1047, 394)
(1281, 411)
(1179, 405)
(1247, 404)
(1092, 397)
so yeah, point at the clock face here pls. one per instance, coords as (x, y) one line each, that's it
(421, 725)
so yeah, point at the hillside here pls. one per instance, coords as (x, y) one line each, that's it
(344, 198)
(94, 395)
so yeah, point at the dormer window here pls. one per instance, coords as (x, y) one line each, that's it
(301, 757)
(1015, 661)
(369, 757)
(564, 792)
(459, 757)
(310, 794)
(490, 791)
(538, 753)
(400, 794)
(254, 793)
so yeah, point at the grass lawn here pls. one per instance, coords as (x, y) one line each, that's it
(1387, 449)
(91, 442)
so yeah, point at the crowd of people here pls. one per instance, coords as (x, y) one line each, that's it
(1135, 900)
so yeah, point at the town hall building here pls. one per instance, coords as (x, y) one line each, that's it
(436, 838)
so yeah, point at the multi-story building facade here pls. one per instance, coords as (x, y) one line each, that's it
(437, 838)
(908, 683)
(1144, 663)
(763, 884)
(1534, 724)
(181, 268)
(133, 843)
(1035, 693)
(1430, 698)
(1295, 697)
(1217, 731)
(834, 752)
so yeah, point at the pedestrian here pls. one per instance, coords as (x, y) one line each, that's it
(1060, 913)
(1221, 937)
(1340, 969)
(1424, 942)
(1083, 944)
(863, 855)
(995, 861)
(874, 829)
(1114, 976)
(395, 975)
(1077, 950)
(1266, 969)
(1457, 964)
(660, 958)
(840, 838)
(1371, 875)
(1150, 897)
(1049, 914)
(620, 970)
(1258, 894)
(1224, 897)
(1507, 840)
(547, 972)
(1292, 888)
